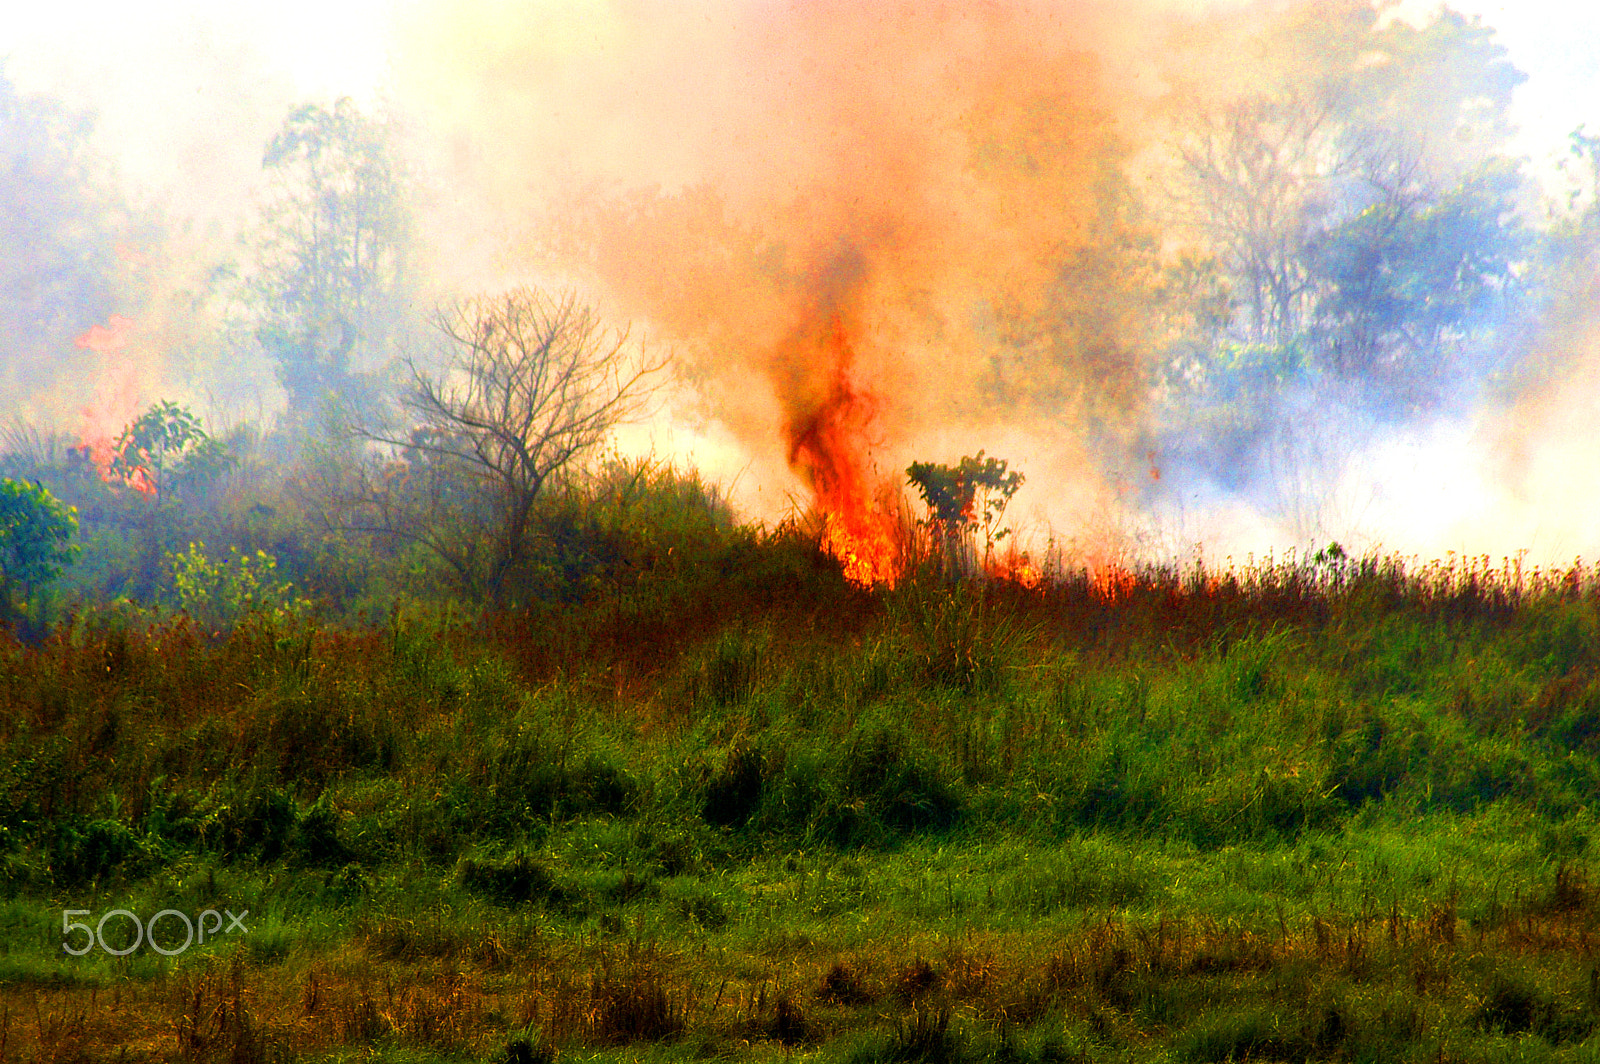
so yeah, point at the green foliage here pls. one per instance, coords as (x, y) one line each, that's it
(521, 776)
(165, 450)
(85, 852)
(514, 881)
(259, 824)
(955, 639)
(1359, 211)
(328, 291)
(734, 792)
(220, 594)
(967, 497)
(886, 783)
(952, 492)
(318, 842)
(1262, 1034)
(1357, 831)
(36, 535)
(636, 525)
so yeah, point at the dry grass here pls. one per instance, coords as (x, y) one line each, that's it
(1146, 978)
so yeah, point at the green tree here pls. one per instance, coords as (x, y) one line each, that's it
(1353, 201)
(1411, 279)
(965, 499)
(328, 286)
(1355, 197)
(220, 593)
(36, 533)
(165, 450)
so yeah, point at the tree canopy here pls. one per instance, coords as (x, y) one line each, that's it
(1356, 199)
(61, 225)
(329, 280)
(36, 533)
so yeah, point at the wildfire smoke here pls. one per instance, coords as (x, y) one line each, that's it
(882, 232)
(850, 219)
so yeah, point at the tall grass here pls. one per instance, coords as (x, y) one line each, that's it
(1250, 705)
(1284, 811)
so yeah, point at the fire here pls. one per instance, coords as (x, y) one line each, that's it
(828, 443)
(1112, 582)
(116, 403)
(1017, 568)
(139, 480)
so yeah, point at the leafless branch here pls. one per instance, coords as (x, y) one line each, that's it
(532, 383)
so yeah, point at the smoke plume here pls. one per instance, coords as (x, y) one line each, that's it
(859, 225)
(891, 231)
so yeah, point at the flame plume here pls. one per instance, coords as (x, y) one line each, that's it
(117, 399)
(828, 444)
(869, 231)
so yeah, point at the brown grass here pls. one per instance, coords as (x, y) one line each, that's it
(600, 995)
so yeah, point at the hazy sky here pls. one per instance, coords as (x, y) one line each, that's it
(1557, 43)
(187, 91)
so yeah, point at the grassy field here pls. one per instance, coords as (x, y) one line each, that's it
(1295, 812)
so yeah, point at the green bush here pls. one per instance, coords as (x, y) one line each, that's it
(84, 852)
(887, 789)
(36, 543)
(1260, 1034)
(522, 777)
(317, 840)
(515, 880)
(734, 792)
(221, 594)
(258, 824)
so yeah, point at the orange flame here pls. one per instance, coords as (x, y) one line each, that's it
(1112, 582)
(828, 443)
(1016, 567)
(117, 401)
(139, 480)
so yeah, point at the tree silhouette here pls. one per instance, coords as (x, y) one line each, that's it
(330, 258)
(965, 499)
(531, 384)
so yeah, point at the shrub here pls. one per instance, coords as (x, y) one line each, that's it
(525, 1050)
(514, 881)
(882, 780)
(84, 853)
(734, 792)
(318, 841)
(36, 535)
(261, 824)
(219, 594)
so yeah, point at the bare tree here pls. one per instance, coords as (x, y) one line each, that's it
(1257, 178)
(532, 382)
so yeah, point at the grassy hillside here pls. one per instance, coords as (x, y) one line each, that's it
(1300, 812)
